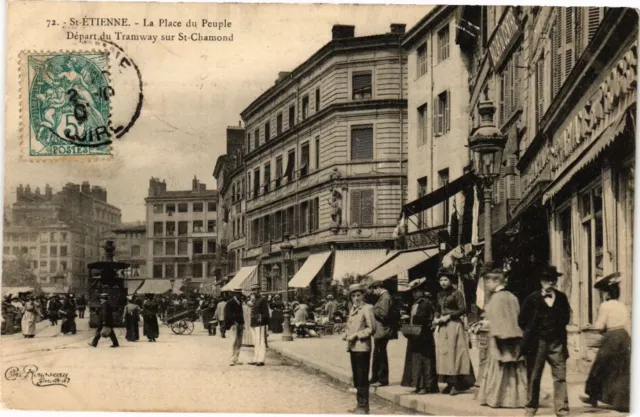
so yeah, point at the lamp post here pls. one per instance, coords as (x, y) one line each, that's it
(487, 144)
(287, 250)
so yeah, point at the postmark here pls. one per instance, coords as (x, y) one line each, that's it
(66, 104)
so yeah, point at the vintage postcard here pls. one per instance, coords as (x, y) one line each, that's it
(318, 208)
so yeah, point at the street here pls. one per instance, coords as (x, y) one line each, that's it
(177, 373)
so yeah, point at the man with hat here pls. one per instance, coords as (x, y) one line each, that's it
(330, 307)
(106, 320)
(381, 310)
(544, 317)
(233, 316)
(259, 323)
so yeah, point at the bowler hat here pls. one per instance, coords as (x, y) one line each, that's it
(356, 287)
(376, 284)
(604, 282)
(444, 272)
(550, 273)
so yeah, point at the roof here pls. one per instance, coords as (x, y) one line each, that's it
(185, 194)
(425, 24)
(130, 227)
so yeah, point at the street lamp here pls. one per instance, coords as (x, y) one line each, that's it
(287, 250)
(487, 143)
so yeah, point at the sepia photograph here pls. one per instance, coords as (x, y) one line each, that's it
(318, 208)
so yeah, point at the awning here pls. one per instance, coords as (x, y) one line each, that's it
(155, 286)
(243, 275)
(309, 270)
(55, 290)
(588, 155)
(356, 262)
(15, 290)
(133, 285)
(401, 263)
(438, 196)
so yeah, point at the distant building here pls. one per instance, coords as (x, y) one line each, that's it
(59, 233)
(131, 247)
(181, 232)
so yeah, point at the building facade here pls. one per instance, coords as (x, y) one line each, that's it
(130, 240)
(327, 160)
(181, 232)
(59, 233)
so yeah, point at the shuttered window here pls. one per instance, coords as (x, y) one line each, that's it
(256, 183)
(510, 88)
(278, 124)
(362, 207)
(291, 165)
(279, 225)
(278, 171)
(594, 18)
(442, 114)
(292, 116)
(256, 138)
(422, 124)
(573, 29)
(267, 131)
(314, 212)
(317, 152)
(361, 85)
(304, 159)
(422, 59)
(296, 220)
(540, 89)
(267, 177)
(304, 216)
(443, 43)
(362, 142)
(273, 226)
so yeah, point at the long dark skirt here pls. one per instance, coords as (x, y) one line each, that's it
(150, 328)
(609, 380)
(275, 324)
(420, 365)
(69, 323)
(133, 331)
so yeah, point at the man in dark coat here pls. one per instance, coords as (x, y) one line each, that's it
(259, 323)
(106, 320)
(81, 304)
(233, 316)
(381, 309)
(544, 317)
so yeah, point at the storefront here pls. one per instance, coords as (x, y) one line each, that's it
(590, 198)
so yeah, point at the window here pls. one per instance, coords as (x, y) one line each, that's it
(305, 107)
(211, 226)
(198, 246)
(444, 180)
(171, 228)
(198, 226)
(16, 250)
(157, 271)
(249, 140)
(157, 248)
(211, 246)
(183, 247)
(43, 265)
(422, 191)
(304, 159)
(157, 228)
(135, 250)
(256, 137)
(183, 228)
(197, 270)
(54, 237)
(198, 207)
(183, 270)
(183, 207)
(317, 100)
(278, 124)
(317, 152)
(278, 171)
(63, 237)
(254, 232)
(249, 184)
(63, 251)
(314, 214)
(290, 221)
(267, 131)
(443, 43)
(169, 271)
(256, 182)
(292, 116)
(441, 115)
(53, 251)
(6, 250)
(25, 249)
(510, 88)
(422, 60)
(43, 250)
(593, 247)
(170, 247)
(267, 177)
(422, 124)
(63, 266)
(211, 205)
(158, 208)
(566, 32)
(291, 165)
(171, 208)
(539, 91)
(304, 215)
(362, 142)
(566, 255)
(362, 207)
(53, 267)
(361, 85)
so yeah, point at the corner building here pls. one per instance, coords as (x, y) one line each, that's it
(327, 161)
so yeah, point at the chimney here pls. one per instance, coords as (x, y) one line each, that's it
(37, 191)
(156, 187)
(282, 75)
(342, 32)
(203, 187)
(398, 28)
(19, 192)
(86, 187)
(194, 184)
(27, 191)
(240, 123)
(48, 192)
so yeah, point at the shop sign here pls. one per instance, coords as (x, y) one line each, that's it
(504, 37)
(612, 98)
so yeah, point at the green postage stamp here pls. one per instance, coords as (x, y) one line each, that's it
(66, 105)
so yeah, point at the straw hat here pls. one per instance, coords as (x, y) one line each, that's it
(604, 282)
(417, 284)
(356, 287)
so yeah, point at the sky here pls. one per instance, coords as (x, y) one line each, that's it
(192, 91)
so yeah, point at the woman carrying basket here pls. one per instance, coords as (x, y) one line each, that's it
(420, 360)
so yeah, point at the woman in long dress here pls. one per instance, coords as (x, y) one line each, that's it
(452, 348)
(69, 316)
(504, 383)
(132, 320)
(277, 315)
(29, 318)
(609, 379)
(150, 327)
(420, 360)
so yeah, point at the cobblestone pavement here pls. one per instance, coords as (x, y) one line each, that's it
(177, 373)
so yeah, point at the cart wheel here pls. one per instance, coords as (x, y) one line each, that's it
(188, 327)
(177, 327)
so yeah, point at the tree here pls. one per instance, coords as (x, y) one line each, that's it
(17, 272)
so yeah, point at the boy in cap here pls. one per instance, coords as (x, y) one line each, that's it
(544, 317)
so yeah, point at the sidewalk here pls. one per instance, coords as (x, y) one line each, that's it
(328, 354)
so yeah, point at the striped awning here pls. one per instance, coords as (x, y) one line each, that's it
(401, 263)
(155, 286)
(309, 270)
(356, 262)
(244, 278)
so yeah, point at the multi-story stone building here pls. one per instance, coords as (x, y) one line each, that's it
(229, 173)
(181, 232)
(327, 160)
(60, 233)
